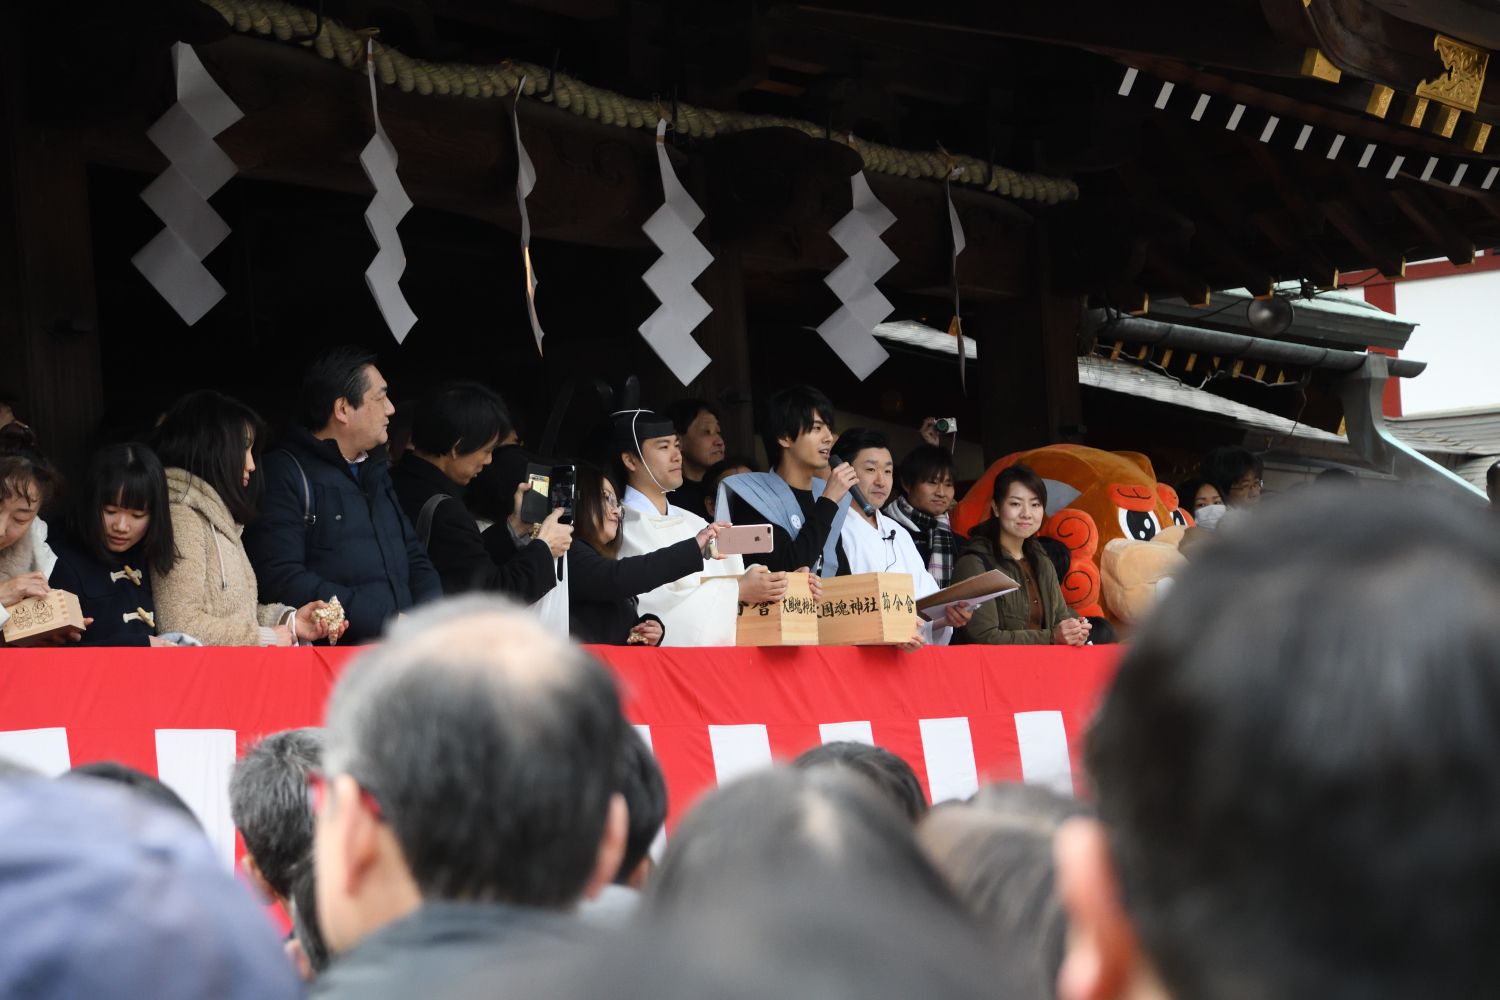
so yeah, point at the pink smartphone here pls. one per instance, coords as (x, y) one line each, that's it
(744, 539)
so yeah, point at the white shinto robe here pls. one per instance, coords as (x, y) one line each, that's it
(695, 611)
(889, 549)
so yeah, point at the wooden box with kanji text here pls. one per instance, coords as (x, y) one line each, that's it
(792, 621)
(35, 620)
(867, 609)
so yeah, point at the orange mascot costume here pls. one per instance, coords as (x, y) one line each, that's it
(1096, 501)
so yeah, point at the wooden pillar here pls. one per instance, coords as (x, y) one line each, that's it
(49, 343)
(725, 335)
(1028, 367)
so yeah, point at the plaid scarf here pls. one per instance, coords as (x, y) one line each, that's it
(935, 539)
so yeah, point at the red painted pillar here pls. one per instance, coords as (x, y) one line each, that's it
(1383, 297)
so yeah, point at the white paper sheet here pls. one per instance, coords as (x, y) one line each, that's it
(173, 261)
(850, 331)
(525, 182)
(382, 216)
(669, 329)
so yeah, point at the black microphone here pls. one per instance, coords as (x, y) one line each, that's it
(891, 537)
(854, 491)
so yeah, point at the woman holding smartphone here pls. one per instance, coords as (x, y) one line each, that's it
(602, 588)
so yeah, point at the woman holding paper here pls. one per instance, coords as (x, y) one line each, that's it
(877, 544)
(1035, 613)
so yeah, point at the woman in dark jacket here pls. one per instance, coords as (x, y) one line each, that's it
(120, 534)
(602, 589)
(1036, 613)
(453, 435)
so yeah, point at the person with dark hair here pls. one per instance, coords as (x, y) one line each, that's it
(268, 803)
(645, 793)
(806, 512)
(306, 948)
(730, 465)
(697, 422)
(873, 543)
(1035, 613)
(1198, 493)
(140, 783)
(996, 853)
(454, 435)
(330, 523)
(27, 481)
(109, 895)
(467, 800)
(791, 824)
(1314, 817)
(1238, 475)
(701, 607)
(120, 538)
(885, 770)
(603, 588)
(926, 479)
(208, 441)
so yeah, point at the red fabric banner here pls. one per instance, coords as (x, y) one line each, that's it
(959, 716)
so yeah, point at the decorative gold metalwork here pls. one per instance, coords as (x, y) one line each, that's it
(1445, 121)
(1477, 137)
(1414, 111)
(1459, 86)
(1379, 104)
(1166, 358)
(1318, 66)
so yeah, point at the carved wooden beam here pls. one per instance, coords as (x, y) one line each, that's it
(1349, 220)
(1428, 216)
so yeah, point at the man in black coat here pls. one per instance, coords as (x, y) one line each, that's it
(454, 435)
(470, 802)
(330, 524)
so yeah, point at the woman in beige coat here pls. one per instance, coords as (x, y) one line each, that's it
(205, 441)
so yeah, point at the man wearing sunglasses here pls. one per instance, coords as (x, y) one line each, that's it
(466, 804)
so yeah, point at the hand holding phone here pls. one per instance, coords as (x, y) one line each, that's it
(742, 539)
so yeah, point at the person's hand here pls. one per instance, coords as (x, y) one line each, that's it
(281, 635)
(916, 642)
(646, 633)
(958, 615)
(1072, 632)
(557, 536)
(156, 640)
(19, 588)
(840, 481)
(518, 526)
(814, 582)
(706, 537)
(308, 626)
(929, 432)
(61, 637)
(760, 586)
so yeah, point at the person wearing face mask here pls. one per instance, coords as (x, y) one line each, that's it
(330, 524)
(1036, 613)
(700, 608)
(926, 478)
(603, 589)
(207, 442)
(698, 430)
(877, 544)
(119, 539)
(805, 510)
(454, 434)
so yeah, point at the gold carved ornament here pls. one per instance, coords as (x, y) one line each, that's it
(1463, 80)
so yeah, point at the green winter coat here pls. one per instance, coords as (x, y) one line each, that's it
(1002, 622)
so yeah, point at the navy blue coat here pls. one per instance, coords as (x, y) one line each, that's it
(103, 599)
(359, 546)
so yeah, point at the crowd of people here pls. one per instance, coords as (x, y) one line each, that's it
(211, 532)
(1291, 792)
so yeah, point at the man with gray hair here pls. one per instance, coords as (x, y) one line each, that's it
(467, 801)
(268, 801)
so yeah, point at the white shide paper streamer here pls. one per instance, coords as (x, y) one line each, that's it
(383, 215)
(959, 243)
(525, 182)
(173, 261)
(669, 329)
(850, 331)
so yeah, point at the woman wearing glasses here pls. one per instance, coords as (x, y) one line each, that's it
(602, 589)
(877, 544)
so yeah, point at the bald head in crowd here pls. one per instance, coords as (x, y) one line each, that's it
(471, 758)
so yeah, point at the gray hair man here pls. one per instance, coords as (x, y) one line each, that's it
(468, 801)
(268, 801)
